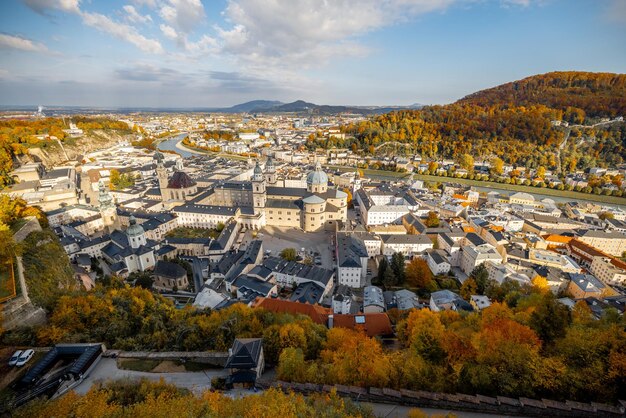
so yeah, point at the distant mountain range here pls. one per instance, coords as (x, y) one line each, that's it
(254, 106)
(300, 106)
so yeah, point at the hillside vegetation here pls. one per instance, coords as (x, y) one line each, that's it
(18, 136)
(512, 122)
(597, 94)
(159, 399)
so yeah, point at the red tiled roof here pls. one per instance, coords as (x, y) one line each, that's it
(317, 313)
(374, 323)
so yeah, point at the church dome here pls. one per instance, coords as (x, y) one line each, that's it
(257, 169)
(180, 180)
(134, 230)
(317, 177)
(269, 165)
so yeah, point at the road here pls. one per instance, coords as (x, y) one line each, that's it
(275, 239)
(197, 266)
(107, 369)
(198, 382)
(568, 131)
(397, 411)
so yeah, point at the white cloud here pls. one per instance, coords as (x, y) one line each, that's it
(149, 3)
(304, 32)
(204, 45)
(135, 17)
(184, 15)
(122, 31)
(103, 23)
(42, 6)
(523, 3)
(168, 31)
(23, 44)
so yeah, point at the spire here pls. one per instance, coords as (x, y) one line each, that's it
(158, 157)
(104, 197)
(258, 172)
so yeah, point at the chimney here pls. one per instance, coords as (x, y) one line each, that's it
(330, 321)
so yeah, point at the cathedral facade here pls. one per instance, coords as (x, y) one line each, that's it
(259, 202)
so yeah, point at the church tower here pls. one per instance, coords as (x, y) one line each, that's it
(258, 189)
(270, 172)
(161, 175)
(108, 211)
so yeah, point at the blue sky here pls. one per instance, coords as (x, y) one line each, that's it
(193, 53)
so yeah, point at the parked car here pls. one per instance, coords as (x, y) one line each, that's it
(24, 357)
(15, 357)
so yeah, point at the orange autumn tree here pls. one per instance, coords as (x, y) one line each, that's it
(418, 273)
(354, 359)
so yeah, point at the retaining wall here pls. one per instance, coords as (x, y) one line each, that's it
(460, 402)
(215, 358)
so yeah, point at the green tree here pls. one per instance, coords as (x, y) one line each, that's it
(389, 278)
(397, 265)
(481, 277)
(142, 279)
(289, 254)
(550, 319)
(382, 268)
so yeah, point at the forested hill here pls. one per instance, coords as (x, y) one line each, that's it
(513, 122)
(597, 94)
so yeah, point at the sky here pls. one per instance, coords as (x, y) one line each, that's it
(193, 53)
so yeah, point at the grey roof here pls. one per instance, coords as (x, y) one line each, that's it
(254, 249)
(313, 199)
(57, 173)
(437, 256)
(224, 237)
(283, 204)
(303, 271)
(350, 250)
(307, 292)
(228, 261)
(475, 239)
(235, 185)
(373, 296)
(405, 239)
(286, 191)
(245, 282)
(212, 210)
(169, 270)
(246, 353)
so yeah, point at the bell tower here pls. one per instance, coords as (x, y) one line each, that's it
(258, 189)
(108, 211)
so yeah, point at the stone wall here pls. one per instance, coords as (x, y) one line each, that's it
(460, 402)
(215, 358)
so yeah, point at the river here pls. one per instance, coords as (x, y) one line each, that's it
(170, 145)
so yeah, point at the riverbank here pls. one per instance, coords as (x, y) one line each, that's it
(175, 144)
(565, 195)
